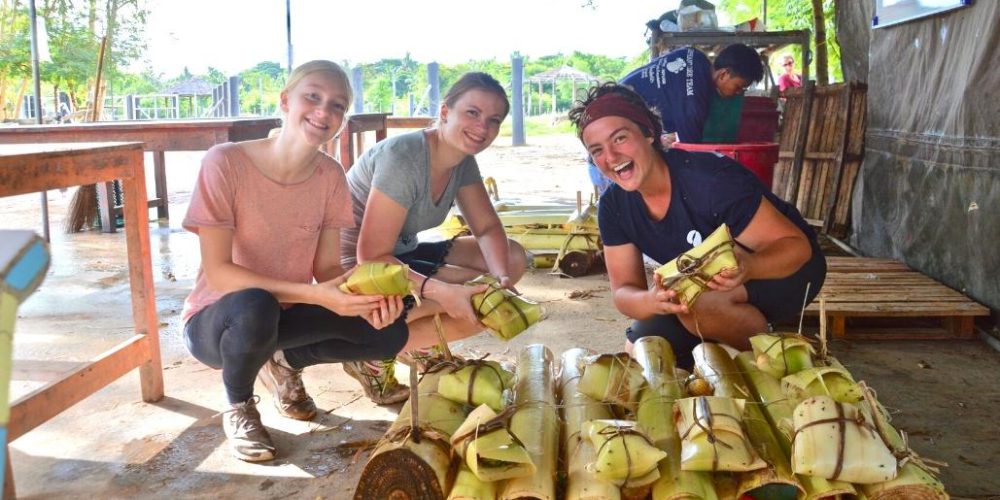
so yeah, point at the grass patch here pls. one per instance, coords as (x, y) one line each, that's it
(540, 125)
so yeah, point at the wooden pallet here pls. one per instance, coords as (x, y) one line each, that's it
(886, 300)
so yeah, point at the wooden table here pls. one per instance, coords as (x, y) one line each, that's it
(158, 137)
(29, 168)
(352, 138)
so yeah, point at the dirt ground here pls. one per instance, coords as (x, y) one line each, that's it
(112, 445)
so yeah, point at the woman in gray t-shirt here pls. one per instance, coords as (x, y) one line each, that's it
(408, 183)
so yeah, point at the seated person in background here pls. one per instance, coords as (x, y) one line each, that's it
(664, 202)
(407, 184)
(789, 79)
(681, 85)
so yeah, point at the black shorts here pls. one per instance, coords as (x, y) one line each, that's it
(778, 300)
(782, 299)
(426, 259)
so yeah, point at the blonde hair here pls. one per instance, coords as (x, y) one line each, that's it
(318, 65)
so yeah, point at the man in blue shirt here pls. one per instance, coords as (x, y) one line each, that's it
(682, 85)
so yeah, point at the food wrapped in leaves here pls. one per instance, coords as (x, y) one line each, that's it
(833, 380)
(468, 487)
(475, 382)
(612, 378)
(489, 449)
(690, 272)
(625, 454)
(835, 441)
(712, 435)
(378, 278)
(782, 354)
(505, 313)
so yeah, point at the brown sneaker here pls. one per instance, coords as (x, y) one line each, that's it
(247, 437)
(287, 390)
(378, 379)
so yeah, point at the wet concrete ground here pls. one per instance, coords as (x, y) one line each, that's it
(112, 445)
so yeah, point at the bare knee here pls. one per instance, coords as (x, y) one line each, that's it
(517, 261)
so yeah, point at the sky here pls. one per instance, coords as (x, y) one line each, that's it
(233, 35)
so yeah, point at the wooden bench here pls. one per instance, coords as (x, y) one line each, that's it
(886, 300)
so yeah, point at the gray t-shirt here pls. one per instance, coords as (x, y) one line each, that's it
(399, 167)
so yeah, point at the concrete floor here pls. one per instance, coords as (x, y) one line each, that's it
(112, 445)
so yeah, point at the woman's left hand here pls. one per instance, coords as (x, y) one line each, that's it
(386, 313)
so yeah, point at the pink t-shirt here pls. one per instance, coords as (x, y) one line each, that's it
(276, 227)
(786, 81)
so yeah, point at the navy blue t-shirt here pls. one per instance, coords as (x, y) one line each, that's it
(679, 86)
(707, 189)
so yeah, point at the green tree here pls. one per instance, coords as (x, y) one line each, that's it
(793, 15)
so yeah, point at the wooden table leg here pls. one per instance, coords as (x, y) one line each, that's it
(160, 176)
(106, 206)
(141, 279)
(8, 475)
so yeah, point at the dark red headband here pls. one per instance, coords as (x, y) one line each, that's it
(615, 105)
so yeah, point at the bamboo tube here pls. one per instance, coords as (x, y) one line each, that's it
(536, 423)
(656, 404)
(916, 479)
(414, 465)
(778, 411)
(578, 451)
(713, 363)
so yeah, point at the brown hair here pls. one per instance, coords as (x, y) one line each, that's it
(473, 81)
(578, 111)
(315, 66)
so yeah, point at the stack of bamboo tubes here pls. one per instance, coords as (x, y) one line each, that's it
(767, 393)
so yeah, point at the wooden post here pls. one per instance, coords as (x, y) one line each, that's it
(358, 84)
(516, 89)
(554, 108)
(234, 96)
(434, 80)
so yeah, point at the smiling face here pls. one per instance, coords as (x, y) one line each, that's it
(620, 150)
(315, 106)
(473, 122)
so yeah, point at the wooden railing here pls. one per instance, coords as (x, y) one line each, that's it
(351, 142)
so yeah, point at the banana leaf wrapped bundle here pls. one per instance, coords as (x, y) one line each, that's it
(833, 380)
(625, 455)
(505, 313)
(468, 487)
(690, 272)
(712, 435)
(612, 378)
(782, 354)
(488, 447)
(835, 441)
(378, 278)
(475, 382)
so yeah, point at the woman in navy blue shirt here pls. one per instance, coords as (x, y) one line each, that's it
(664, 203)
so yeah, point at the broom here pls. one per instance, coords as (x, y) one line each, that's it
(83, 206)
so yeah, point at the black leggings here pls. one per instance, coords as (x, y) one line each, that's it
(241, 331)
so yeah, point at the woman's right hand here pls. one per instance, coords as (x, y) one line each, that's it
(345, 304)
(456, 300)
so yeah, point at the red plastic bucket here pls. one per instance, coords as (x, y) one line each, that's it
(759, 157)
